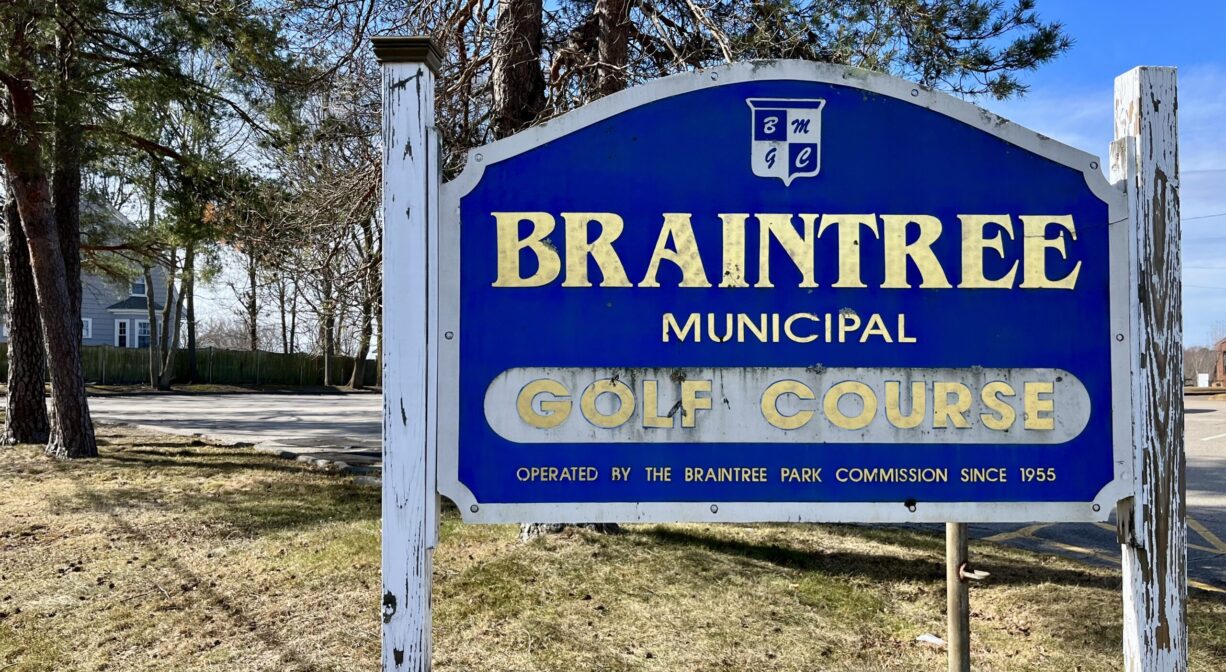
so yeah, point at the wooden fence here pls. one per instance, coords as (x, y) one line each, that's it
(108, 365)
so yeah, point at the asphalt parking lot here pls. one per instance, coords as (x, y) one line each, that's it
(1205, 446)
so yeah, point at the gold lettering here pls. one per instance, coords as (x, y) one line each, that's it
(1034, 248)
(684, 252)
(1004, 413)
(974, 242)
(1037, 407)
(849, 245)
(651, 407)
(578, 249)
(898, 251)
(692, 322)
(876, 327)
(691, 402)
(893, 404)
(759, 330)
(625, 407)
(553, 411)
(734, 250)
(943, 412)
(830, 404)
(510, 245)
(770, 404)
(799, 247)
(787, 327)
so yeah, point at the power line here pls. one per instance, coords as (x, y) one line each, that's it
(1190, 219)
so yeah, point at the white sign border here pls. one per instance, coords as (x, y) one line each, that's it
(446, 329)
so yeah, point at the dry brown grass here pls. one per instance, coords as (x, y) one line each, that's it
(169, 555)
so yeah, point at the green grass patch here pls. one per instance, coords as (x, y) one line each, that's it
(168, 555)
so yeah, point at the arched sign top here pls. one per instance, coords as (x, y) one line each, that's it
(782, 291)
(800, 71)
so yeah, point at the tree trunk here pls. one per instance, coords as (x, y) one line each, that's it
(164, 331)
(613, 24)
(25, 419)
(72, 430)
(72, 435)
(293, 321)
(281, 310)
(171, 340)
(253, 308)
(357, 380)
(189, 289)
(326, 324)
(66, 170)
(518, 83)
(155, 359)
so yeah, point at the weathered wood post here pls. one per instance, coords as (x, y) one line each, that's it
(957, 599)
(410, 221)
(1145, 158)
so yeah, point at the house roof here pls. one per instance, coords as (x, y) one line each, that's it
(134, 303)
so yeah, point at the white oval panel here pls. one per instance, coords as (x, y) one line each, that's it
(787, 405)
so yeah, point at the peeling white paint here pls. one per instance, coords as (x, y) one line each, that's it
(410, 510)
(1145, 158)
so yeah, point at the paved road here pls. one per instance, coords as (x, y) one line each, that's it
(344, 427)
(349, 424)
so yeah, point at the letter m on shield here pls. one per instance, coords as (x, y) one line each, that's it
(786, 138)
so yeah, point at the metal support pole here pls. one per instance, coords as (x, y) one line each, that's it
(410, 225)
(1145, 161)
(957, 599)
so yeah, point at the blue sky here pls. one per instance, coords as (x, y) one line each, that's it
(1071, 100)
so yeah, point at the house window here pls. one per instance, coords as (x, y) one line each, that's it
(87, 327)
(142, 333)
(121, 333)
(138, 287)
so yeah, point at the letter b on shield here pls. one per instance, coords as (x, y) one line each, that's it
(786, 137)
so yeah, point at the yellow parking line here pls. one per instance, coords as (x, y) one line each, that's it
(1027, 531)
(1208, 536)
(1078, 549)
(1204, 586)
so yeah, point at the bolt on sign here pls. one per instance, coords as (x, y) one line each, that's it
(782, 292)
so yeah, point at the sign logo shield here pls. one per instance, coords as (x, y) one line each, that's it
(786, 137)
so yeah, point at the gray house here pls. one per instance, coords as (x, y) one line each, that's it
(117, 314)
(112, 312)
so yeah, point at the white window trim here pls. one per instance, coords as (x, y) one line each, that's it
(142, 281)
(127, 334)
(87, 328)
(135, 337)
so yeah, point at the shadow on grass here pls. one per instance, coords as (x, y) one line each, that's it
(263, 509)
(877, 567)
(250, 497)
(185, 460)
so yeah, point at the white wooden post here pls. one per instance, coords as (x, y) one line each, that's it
(410, 222)
(1145, 158)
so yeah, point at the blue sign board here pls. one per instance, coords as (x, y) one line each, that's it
(781, 292)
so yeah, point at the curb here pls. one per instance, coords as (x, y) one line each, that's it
(363, 475)
(366, 475)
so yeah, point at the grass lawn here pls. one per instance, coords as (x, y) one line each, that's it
(166, 554)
